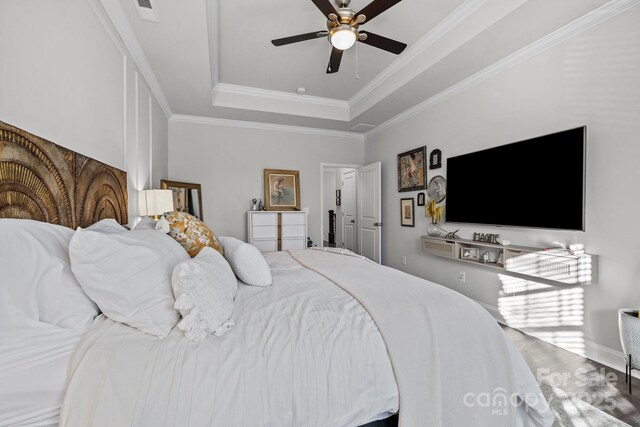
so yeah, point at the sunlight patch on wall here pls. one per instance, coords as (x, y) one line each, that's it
(552, 314)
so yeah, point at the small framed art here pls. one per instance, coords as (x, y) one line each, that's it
(407, 217)
(282, 190)
(420, 199)
(435, 159)
(470, 253)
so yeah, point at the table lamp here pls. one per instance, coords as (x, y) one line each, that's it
(154, 203)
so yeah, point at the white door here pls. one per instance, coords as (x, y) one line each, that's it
(349, 202)
(370, 211)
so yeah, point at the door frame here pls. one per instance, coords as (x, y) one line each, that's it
(324, 166)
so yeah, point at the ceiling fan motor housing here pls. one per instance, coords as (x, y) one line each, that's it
(343, 29)
(343, 22)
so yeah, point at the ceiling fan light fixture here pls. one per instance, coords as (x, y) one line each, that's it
(343, 36)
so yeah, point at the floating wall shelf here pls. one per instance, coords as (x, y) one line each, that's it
(550, 266)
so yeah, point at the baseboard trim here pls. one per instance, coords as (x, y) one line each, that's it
(593, 351)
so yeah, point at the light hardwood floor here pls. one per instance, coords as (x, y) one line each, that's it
(593, 382)
(597, 384)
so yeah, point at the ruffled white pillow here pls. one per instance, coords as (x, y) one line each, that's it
(204, 288)
(247, 262)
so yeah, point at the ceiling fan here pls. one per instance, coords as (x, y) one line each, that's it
(343, 29)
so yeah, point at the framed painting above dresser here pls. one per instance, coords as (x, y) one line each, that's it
(282, 190)
(277, 230)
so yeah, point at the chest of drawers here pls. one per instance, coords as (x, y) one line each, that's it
(277, 230)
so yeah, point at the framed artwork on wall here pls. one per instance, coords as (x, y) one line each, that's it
(187, 196)
(282, 190)
(407, 217)
(435, 159)
(411, 170)
(420, 199)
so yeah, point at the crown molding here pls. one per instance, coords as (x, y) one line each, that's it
(591, 19)
(124, 29)
(444, 27)
(311, 106)
(265, 126)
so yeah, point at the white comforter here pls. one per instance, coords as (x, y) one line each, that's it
(303, 352)
(34, 361)
(452, 363)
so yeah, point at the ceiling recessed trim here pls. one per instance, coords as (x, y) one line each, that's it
(123, 27)
(279, 95)
(266, 126)
(251, 98)
(595, 17)
(444, 27)
(362, 127)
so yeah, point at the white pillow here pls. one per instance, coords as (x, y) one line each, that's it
(128, 275)
(107, 226)
(204, 288)
(36, 281)
(246, 261)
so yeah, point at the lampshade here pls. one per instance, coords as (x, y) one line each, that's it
(155, 202)
(343, 37)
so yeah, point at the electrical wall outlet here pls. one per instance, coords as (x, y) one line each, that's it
(462, 276)
(404, 260)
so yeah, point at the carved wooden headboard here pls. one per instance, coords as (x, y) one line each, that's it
(46, 182)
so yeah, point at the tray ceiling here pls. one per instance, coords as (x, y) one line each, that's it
(213, 58)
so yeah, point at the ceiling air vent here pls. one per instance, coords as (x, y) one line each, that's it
(362, 127)
(146, 10)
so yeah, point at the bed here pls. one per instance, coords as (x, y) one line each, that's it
(335, 340)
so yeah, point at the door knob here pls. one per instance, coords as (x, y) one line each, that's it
(353, 220)
(377, 224)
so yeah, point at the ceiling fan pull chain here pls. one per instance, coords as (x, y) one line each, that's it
(357, 76)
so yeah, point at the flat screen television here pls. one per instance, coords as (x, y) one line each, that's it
(537, 183)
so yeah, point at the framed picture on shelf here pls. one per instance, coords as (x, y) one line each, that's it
(407, 217)
(412, 170)
(282, 190)
(420, 199)
(187, 196)
(470, 254)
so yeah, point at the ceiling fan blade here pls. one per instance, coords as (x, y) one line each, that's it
(334, 61)
(375, 8)
(326, 8)
(383, 43)
(299, 38)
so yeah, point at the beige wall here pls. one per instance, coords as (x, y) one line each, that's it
(590, 79)
(66, 76)
(229, 163)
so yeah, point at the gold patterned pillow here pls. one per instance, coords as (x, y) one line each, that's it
(191, 233)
